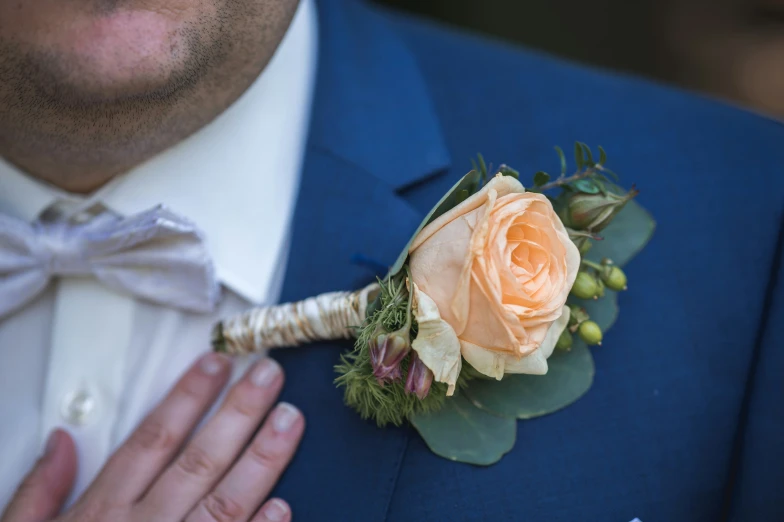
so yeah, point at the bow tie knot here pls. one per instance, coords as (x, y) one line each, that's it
(156, 255)
(64, 251)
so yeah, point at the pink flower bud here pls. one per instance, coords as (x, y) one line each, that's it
(419, 377)
(387, 351)
(374, 348)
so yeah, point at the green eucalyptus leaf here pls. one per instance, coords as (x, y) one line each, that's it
(461, 196)
(568, 378)
(461, 432)
(469, 182)
(625, 236)
(562, 157)
(602, 156)
(540, 178)
(587, 186)
(602, 311)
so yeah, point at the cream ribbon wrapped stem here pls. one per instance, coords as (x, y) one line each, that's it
(330, 316)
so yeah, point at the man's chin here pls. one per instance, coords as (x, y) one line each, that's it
(58, 83)
(68, 79)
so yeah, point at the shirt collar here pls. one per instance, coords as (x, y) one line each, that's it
(24, 197)
(236, 178)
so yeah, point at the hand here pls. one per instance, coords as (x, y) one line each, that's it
(218, 476)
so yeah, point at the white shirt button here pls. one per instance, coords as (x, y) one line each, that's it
(78, 406)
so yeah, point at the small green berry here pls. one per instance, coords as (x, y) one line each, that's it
(599, 289)
(564, 341)
(585, 286)
(590, 333)
(614, 278)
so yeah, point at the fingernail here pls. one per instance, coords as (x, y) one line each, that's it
(51, 444)
(284, 418)
(212, 363)
(276, 510)
(265, 373)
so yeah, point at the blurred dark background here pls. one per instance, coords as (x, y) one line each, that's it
(732, 49)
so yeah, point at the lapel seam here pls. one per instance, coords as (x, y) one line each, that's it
(422, 180)
(372, 103)
(328, 151)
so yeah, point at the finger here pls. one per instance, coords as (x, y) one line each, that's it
(250, 481)
(275, 510)
(207, 457)
(43, 492)
(149, 449)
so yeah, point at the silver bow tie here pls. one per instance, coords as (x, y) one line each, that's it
(155, 255)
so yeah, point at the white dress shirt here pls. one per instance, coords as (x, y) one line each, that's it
(93, 361)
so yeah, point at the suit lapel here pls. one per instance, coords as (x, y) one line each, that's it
(373, 132)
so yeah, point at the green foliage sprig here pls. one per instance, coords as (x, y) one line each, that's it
(386, 403)
(586, 202)
(590, 177)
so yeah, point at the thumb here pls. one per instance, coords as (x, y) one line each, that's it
(42, 493)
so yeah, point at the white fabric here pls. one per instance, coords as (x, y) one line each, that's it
(93, 361)
(156, 254)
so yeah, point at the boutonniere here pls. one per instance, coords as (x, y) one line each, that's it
(487, 315)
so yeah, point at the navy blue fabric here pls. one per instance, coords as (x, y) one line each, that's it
(758, 485)
(372, 119)
(657, 435)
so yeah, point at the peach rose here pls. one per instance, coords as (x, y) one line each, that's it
(490, 279)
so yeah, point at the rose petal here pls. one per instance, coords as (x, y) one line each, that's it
(497, 364)
(536, 336)
(558, 326)
(492, 325)
(533, 364)
(499, 267)
(436, 342)
(501, 184)
(484, 361)
(571, 256)
(441, 267)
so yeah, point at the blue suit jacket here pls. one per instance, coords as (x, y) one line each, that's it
(684, 421)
